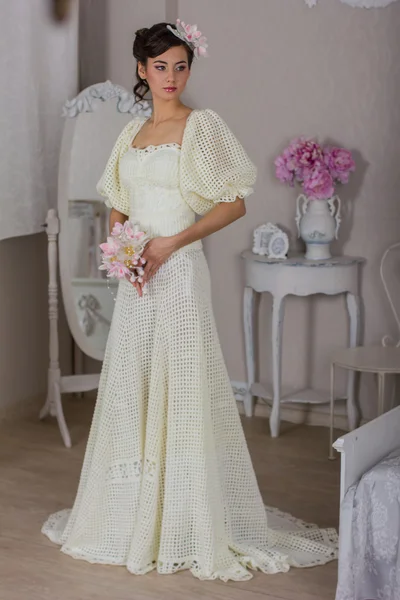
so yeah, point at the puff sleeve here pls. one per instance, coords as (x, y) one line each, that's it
(116, 194)
(214, 166)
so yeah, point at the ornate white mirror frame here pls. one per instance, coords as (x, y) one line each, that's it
(94, 120)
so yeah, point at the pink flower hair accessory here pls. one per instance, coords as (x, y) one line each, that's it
(192, 37)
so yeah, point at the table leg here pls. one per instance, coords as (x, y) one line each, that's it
(278, 309)
(353, 307)
(248, 321)
(381, 394)
(332, 399)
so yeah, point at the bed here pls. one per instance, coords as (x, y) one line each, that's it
(369, 547)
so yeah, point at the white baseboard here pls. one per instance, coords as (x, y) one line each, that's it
(308, 414)
(294, 413)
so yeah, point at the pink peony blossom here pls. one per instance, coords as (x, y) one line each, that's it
(304, 153)
(339, 162)
(318, 183)
(282, 171)
(301, 154)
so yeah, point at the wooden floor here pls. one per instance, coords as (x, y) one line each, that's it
(39, 476)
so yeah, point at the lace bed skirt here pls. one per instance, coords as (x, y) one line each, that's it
(167, 481)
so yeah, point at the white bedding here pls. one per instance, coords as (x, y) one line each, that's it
(369, 546)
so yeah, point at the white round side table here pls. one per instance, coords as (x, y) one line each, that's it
(380, 360)
(299, 277)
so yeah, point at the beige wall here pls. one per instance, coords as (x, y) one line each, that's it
(24, 323)
(24, 272)
(278, 69)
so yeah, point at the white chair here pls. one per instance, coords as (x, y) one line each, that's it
(380, 360)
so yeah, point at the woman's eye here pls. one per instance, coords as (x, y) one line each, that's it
(162, 68)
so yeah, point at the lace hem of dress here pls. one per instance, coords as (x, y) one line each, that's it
(289, 538)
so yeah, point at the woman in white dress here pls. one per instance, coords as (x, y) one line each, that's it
(167, 481)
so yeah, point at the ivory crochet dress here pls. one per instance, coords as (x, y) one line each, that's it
(167, 481)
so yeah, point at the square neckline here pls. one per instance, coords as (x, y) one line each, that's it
(152, 148)
(167, 144)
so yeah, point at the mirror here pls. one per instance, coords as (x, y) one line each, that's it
(92, 292)
(94, 120)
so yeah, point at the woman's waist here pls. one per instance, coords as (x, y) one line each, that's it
(155, 199)
(164, 224)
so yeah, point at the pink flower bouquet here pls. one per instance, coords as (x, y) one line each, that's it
(121, 254)
(317, 168)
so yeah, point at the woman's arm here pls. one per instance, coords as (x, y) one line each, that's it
(220, 216)
(158, 250)
(116, 217)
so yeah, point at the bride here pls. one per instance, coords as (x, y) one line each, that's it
(167, 481)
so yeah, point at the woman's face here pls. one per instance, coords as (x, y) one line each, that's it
(167, 74)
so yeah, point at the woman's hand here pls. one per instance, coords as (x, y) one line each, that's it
(157, 251)
(139, 286)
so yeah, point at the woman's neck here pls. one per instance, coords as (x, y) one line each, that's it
(164, 111)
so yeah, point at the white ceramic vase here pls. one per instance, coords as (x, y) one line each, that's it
(318, 224)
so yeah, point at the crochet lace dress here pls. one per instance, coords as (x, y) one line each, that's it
(167, 481)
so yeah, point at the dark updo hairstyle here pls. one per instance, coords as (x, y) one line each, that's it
(150, 43)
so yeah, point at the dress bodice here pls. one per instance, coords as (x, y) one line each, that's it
(164, 186)
(151, 175)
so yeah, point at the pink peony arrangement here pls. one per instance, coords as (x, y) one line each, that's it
(318, 169)
(121, 254)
